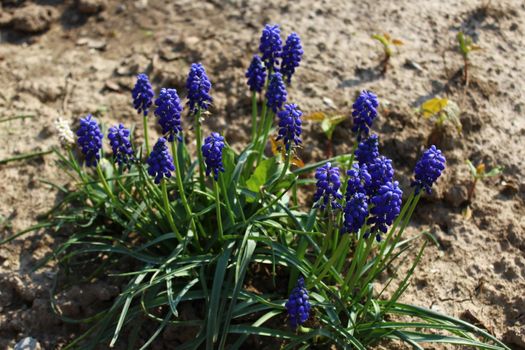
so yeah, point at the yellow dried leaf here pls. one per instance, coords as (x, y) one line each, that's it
(277, 146)
(298, 162)
(433, 106)
(315, 116)
(397, 42)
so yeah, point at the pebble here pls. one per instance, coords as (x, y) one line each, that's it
(28, 343)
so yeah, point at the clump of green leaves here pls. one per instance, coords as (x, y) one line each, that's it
(465, 46)
(479, 173)
(388, 43)
(328, 123)
(443, 111)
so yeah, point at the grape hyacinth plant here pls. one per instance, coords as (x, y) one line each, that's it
(235, 249)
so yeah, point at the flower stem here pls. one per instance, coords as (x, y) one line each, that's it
(146, 142)
(182, 194)
(198, 136)
(167, 208)
(104, 182)
(218, 209)
(266, 131)
(227, 200)
(254, 116)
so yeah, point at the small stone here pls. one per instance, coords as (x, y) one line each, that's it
(28, 343)
(112, 86)
(91, 7)
(329, 103)
(457, 195)
(413, 65)
(34, 18)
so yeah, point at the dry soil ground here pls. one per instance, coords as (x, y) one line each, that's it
(67, 59)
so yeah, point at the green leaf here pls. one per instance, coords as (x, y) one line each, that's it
(267, 169)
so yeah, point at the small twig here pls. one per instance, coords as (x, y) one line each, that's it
(25, 156)
(66, 93)
(23, 116)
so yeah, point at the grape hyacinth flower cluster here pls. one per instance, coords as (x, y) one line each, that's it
(367, 150)
(276, 94)
(328, 184)
(256, 74)
(90, 140)
(381, 172)
(160, 161)
(364, 112)
(428, 169)
(298, 304)
(356, 207)
(386, 207)
(291, 56)
(168, 111)
(290, 125)
(142, 94)
(271, 45)
(212, 152)
(198, 86)
(120, 144)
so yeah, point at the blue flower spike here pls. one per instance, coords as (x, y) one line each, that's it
(386, 206)
(198, 86)
(428, 169)
(381, 172)
(168, 111)
(291, 56)
(120, 143)
(160, 161)
(328, 184)
(355, 212)
(364, 112)
(271, 46)
(290, 128)
(367, 150)
(90, 140)
(256, 74)
(276, 94)
(358, 180)
(298, 304)
(142, 94)
(212, 152)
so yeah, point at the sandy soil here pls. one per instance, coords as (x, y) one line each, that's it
(67, 59)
